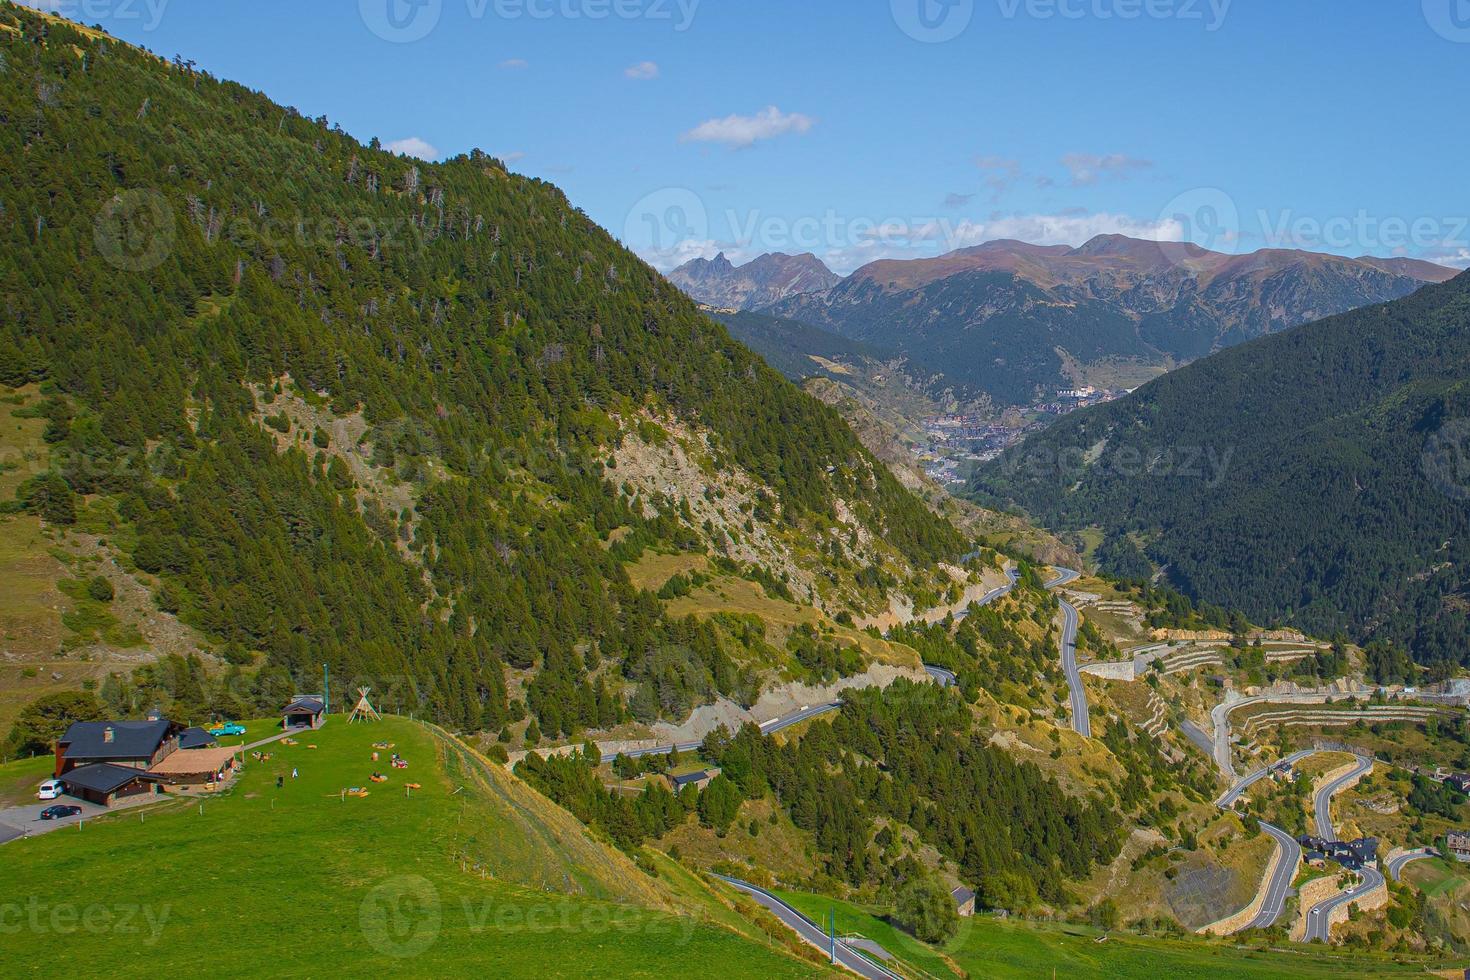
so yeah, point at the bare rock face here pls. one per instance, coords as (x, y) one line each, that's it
(760, 283)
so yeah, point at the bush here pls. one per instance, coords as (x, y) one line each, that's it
(100, 589)
(925, 909)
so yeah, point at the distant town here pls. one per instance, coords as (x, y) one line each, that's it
(957, 443)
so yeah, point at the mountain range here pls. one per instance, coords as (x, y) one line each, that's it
(1012, 322)
(1316, 477)
(758, 284)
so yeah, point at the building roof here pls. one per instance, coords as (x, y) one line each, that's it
(962, 895)
(195, 763)
(195, 738)
(304, 705)
(128, 740)
(689, 777)
(103, 777)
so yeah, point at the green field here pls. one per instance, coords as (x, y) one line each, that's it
(19, 779)
(470, 874)
(991, 948)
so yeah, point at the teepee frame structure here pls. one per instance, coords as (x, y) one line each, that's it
(364, 710)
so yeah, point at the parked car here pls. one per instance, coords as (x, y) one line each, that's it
(60, 810)
(232, 728)
(50, 790)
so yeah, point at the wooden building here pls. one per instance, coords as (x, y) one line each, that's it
(104, 783)
(304, 711)
(128, 744)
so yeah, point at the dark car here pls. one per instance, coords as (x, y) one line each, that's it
(60, 810)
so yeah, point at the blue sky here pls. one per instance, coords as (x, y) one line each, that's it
(862, 129)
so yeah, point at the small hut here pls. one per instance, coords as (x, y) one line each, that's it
(304, 711)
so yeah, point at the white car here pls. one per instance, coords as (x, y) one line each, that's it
(50, 790)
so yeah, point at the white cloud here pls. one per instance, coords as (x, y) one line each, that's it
(644, 71)
(515, 64)
(1086, 168)
(413, 146)
(1458, 258)
(513, 156)
(743, 131)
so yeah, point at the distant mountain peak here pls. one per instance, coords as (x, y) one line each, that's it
(763, 281)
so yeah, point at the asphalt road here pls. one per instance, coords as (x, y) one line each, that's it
(1281, 878)
(1279, 886)
(1319, 917)
(1236, 791)
(810, 932)
(1081, 723)
(25, 821)
(1322, 803)
(993, 594)
(768, 727)
(1396, 866)
(1319, 921)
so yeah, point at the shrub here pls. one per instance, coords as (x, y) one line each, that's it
(100, 589)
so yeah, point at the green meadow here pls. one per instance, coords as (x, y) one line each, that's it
(471, 873)
(992, 948)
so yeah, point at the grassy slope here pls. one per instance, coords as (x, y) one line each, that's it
(990, 948)
(282, 882)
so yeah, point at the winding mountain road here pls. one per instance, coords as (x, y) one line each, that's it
(810, 932)
(1279, 887)
(1397, 863)
(1238, 790)
(1322, 802)
(1081, 722)
(1281, 877)
(941, 675)
(1319, 917)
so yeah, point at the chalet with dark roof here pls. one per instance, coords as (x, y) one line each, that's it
(125, 744)
(304, 711)
(699, 780)
(964, 900)
(105, 784)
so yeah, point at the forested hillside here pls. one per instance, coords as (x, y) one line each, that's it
(188, 268)
(1316, 477)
